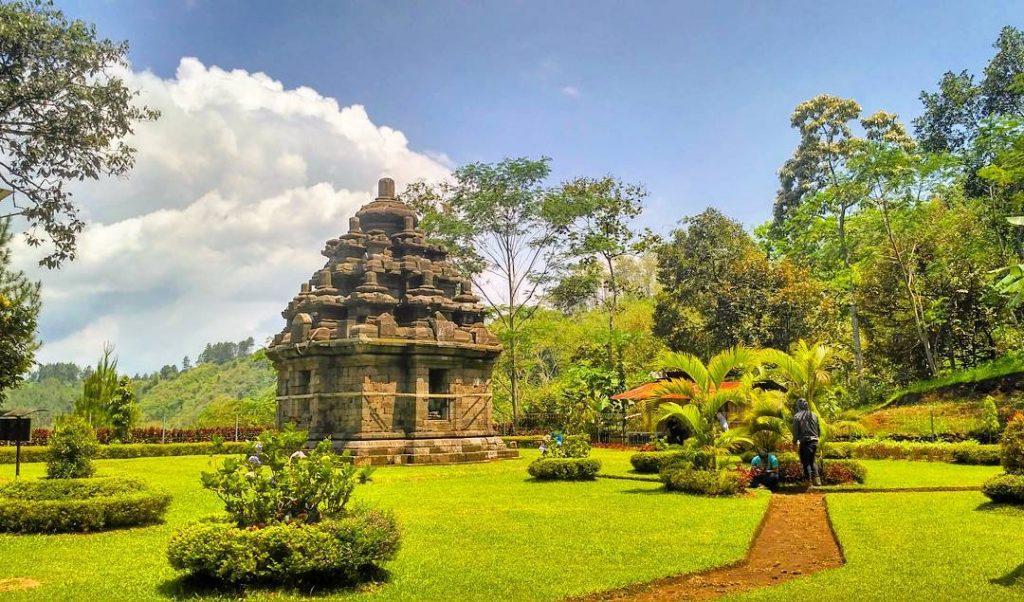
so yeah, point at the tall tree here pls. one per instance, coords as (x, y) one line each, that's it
(123, 411)
(817, 183)
(596, 217)
(64, 117)
(494, 218)
(19, 311)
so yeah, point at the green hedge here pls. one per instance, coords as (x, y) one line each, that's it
(704, 482)
(77, 505)
(655, 462)
(1005, 488)
(966, 452)
(338, 550)
(38, 453)
(524, 441)
(565, 469)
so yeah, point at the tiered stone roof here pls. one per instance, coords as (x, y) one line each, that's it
(382, 280)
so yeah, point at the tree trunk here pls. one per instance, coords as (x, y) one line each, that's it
(858, 355)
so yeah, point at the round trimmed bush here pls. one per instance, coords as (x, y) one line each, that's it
(1012, 445)
(72, 447)
(336, 549)
(564, 469)
(704, 482)
(655, 462)
(79, 505)
(1005, 488)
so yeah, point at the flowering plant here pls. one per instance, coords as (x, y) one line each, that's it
(276, 482)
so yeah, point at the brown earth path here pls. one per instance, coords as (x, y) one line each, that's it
(795, 539)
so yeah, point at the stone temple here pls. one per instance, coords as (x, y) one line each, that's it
(385, 351)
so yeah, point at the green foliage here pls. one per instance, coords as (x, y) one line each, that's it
(655, 462)
(704, 482)
(132, 450)
(990, 418)
(566, 446)
(564, 469)
(969, 452)
(213, 394)
(1009, 364)
(19, 312)
(72, 448)
(720, 290)
(1005, 488)
(278, 483)
(123, 411)
(55, 128)
(336, 551)
(1012, 446)
(586, 394)
(76, 505)
(834, 471)
(98, 390)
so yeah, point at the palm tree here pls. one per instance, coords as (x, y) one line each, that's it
(704, 394)
(767, 419)
(804, 371)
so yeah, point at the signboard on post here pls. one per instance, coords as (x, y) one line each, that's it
(16, 428)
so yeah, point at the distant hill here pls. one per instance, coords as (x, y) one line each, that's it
(208, 394)
(211, 393)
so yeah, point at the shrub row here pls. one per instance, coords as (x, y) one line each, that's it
(131, 450)
(1005, 488)
(155, 434)
(78, 505)
(564, 469)
(338, 549)
(655, 462)
(524, 441)
(704, 482)
(968, 452)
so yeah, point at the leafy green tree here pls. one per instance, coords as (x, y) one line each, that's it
(64, 116)
(990, 418)
(587, 394)
(720, 290)
(98, 390)
(19, 311)
(123, 411)
(496, 221)
(596, 217)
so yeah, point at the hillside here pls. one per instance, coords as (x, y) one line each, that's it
(209, 394)
(210, 391)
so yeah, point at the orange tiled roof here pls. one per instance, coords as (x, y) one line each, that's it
(647, 390)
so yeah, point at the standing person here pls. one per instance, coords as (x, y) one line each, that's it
(766, 470)
(806, 432)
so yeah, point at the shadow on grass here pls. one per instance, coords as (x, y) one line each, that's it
(190, 587)
(1014, 578)
(1001, 508)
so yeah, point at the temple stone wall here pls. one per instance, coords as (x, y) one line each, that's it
(384, 349)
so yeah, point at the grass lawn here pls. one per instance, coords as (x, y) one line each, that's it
(471, 532)
(918, 546)
(893, 474)
(925, 419)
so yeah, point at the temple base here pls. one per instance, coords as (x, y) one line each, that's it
(448, 450)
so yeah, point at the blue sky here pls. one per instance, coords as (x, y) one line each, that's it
(245, 175)
(691, 99)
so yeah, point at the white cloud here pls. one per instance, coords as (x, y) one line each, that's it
(571, 92)
(235, 190)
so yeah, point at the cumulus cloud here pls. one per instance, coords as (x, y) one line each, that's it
(234, 191)
(571, 92)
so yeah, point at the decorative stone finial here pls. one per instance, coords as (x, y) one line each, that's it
(385, 188)
(353, 224)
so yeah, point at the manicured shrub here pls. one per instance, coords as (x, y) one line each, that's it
(72, 448)
(705, 482)
(564, 469)
(1005, 488)
(963, 452)
(973, 453)
(565, 446)
(78, 505)
(289, 519)
(790, 469)
(1012, 445)
(840, 472)
(655, 462)
(524, 441)
(338, 549)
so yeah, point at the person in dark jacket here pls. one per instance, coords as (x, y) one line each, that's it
(806, 432)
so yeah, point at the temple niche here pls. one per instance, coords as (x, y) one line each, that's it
(384, 349)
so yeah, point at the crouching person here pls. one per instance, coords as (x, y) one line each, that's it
(766, 470)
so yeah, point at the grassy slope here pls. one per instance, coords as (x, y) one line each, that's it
(187, 395)
(918, 546)
(1012, 363)
(471, 532)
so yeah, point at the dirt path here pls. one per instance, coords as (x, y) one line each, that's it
(795, 539)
